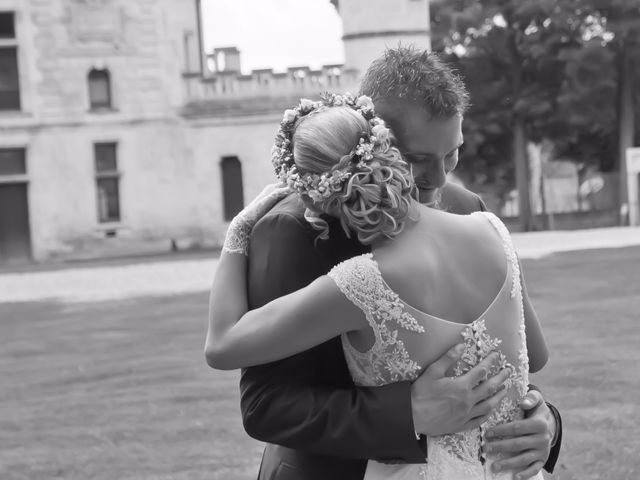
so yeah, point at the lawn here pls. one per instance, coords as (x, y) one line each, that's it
(121, 390)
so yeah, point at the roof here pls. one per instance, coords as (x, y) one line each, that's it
(240, 106)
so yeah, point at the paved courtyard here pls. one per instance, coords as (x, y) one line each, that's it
(167, 276)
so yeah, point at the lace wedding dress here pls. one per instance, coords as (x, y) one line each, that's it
(407, 339)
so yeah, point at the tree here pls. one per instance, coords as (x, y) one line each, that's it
(543, 69)
(621, 19)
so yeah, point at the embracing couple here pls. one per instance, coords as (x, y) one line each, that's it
(379, 312)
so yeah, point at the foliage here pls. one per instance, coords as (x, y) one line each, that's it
(550, 64)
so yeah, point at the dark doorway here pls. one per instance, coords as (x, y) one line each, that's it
(233, 195)
(15, 237)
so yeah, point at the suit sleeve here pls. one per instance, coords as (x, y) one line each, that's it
(554, 453)
(289, 402)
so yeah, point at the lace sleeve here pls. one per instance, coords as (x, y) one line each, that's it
(387, 360)
(359, 279)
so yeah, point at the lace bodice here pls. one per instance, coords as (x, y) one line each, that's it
(407, 339)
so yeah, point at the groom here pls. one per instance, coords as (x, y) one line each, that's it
(318, 425)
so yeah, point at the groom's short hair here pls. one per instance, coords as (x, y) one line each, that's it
(406, 75)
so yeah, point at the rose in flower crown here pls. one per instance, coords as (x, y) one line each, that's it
(321, 186)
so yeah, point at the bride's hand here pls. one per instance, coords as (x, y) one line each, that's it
(264, 201)
(237, 238)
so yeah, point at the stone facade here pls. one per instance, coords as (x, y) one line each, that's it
(144, 47)
(170, 120)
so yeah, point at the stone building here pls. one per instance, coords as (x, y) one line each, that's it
(117, 137)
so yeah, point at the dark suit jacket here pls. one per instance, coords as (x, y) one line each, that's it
(318, 425)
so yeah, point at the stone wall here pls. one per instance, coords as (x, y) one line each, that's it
(145, 46)
(141, 44)
(172, 122)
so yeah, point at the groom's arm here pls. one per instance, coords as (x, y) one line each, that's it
(288, 402)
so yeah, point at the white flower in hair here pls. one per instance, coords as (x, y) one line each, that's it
(289, 116)
(365, 149)
(381, 132)
(306, 104)
(365, 103)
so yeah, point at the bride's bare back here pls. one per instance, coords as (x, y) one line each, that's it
(449, 266)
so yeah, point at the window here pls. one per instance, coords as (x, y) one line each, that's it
(107, 182)
(232, 186)
(99, 89)
(9, 78)
(12, 161)
(15, 236)
(7, 25)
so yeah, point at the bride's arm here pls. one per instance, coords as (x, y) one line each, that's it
(288, 325)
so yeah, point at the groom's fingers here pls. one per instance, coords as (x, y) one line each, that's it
(493, 385)
(481, 410)
(481, 372)
(525, 462)
(518, 428)
(475, 422)
(438, 369)
(515, 445)
(533, 469)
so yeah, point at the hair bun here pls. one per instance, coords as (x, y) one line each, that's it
(375, 201)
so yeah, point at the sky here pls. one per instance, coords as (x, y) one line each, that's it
(275, 33)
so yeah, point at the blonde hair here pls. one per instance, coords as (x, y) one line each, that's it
(375, 199)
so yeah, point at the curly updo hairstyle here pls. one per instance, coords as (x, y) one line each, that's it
(375, 199)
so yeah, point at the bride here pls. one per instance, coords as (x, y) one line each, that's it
(431, 281)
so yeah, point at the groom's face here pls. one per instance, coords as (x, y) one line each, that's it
(431, 146)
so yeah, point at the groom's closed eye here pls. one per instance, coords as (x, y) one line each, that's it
(415, 157)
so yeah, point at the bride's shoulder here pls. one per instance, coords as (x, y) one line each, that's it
(356, 265)
(494, 220)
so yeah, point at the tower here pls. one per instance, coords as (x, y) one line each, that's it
(370, 26)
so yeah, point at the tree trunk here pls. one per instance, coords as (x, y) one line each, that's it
(522, 174)
(519, 143)
(626, 126)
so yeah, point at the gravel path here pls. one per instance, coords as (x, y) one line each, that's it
(159, 277)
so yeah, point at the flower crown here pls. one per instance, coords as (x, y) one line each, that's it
(322, 186)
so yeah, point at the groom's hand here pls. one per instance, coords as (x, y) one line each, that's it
(526, 442)
(443, 404)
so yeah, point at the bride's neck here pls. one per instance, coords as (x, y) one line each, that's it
(416, 211)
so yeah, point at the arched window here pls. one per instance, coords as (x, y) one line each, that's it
(99, 89)
(233, 195)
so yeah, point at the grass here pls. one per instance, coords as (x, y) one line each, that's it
(121, 390)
